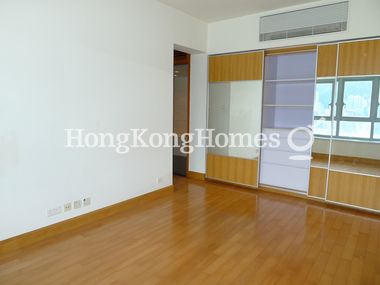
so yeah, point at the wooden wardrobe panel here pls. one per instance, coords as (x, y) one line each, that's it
(359, 58)
(327, 57)
(236, 67)
(318, 180)
(354, 189)
(275, 51)
(232, 169)
(217, 68)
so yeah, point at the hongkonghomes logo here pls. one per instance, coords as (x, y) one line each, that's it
(123, 142)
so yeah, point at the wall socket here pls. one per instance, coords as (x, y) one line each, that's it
(86, 202)
(54, 211)
(68, 207)
(77, 204)
(159, 180)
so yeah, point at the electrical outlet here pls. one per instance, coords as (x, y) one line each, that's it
(78, 204)
(68, 207)
(86, 202)
(55, 211)
(159, 180)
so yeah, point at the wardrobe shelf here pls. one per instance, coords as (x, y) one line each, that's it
(288, 105)
(289, 80)
(280, 129)
(285, 165)
(283, 129)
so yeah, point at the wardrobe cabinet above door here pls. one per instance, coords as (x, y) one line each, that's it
(327, 60)
(359, 58)
(236, 67)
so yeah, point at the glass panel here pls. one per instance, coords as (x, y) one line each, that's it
(323, 128)
(356, 157)
(354, 160)
(320, 159)
(245, 115)
(319, 166)
(323, 99)
(355, 129)
(235, 108)
(357, 99)
(376, 133)
(320, 152)
(219, 113)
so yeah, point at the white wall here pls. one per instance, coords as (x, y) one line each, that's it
(105, 66)
(242, 33)
(198, 107)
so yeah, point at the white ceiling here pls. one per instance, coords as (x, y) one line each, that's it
(215, 10)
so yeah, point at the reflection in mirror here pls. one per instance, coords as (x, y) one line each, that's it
(355, 157)
(320, 152)
(323, 126)
(219, 113)
(235, 107)
(354, 175)
(319, 168)
(355, 144)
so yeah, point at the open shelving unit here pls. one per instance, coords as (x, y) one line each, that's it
(289, 85)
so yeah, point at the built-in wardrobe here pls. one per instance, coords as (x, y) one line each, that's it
(331, 91)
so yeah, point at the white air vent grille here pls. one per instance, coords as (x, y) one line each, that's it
(312, 21)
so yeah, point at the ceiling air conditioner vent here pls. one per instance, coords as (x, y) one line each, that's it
(306, 22)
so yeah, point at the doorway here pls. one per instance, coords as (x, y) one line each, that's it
(181, 96)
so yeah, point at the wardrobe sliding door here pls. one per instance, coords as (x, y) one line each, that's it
(323, 119)
(235, 103)
(288, 104)
(354, 175)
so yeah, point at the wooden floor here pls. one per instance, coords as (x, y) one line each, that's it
(209, 233)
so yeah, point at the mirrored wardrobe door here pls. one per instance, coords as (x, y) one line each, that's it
(235, 103)
(324, 110)
(234, 112)
(354, 174)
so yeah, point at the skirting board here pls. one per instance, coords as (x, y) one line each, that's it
(16, 243)
(282, 191)
(196, 175)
